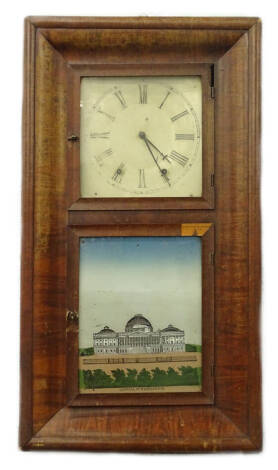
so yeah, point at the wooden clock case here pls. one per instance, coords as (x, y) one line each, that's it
(57, 52)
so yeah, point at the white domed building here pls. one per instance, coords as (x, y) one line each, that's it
(139, 338)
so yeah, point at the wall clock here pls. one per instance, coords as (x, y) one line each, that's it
(141, 234)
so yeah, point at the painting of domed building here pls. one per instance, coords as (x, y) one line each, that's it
(140, 314)
(138, 337)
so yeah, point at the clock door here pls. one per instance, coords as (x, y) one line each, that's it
(144, 330)
(146, 140)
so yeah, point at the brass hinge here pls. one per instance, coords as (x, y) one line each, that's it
(212, 258)
(72, 316)
(212, 84)
(212, 179)
(212, 370)
(73, 138)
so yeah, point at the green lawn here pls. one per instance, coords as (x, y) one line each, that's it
(98, 378)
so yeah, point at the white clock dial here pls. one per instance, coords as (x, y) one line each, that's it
(141, 137)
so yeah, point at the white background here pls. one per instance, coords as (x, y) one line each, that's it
(11, 31)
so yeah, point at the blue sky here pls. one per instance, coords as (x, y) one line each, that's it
(159, 277)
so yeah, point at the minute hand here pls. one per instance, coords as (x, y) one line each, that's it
(154, 146)
(154, 159)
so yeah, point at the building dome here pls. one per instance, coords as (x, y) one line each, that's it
(170, 328)
(138, 323)
(106, 330)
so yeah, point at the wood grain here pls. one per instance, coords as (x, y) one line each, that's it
(130, 46)
(49, 281)
(80, 22)
(231, 263)
(26, 427)
(165, 429)
(254, 240)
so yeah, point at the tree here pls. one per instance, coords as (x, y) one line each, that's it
(100, 379)
(87, 377)
(189, 375)
(144, 378)
(199, 375)
(86, 351)
(131, 377)
(190, 348)
(159, 377)
(119, 378)
(173, 377)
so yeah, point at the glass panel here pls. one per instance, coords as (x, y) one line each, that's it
(140, 307)
(141, 137)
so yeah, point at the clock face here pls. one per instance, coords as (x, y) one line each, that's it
(141, 137)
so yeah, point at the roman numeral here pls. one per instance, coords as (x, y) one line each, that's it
(112, 118)
(120, 97)
(164, 99)
(100, 135)
(178, 116)
(142, 181)
(118, 174)
(103, 155)
(184, 136)
(143, 94)
(178, 157)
